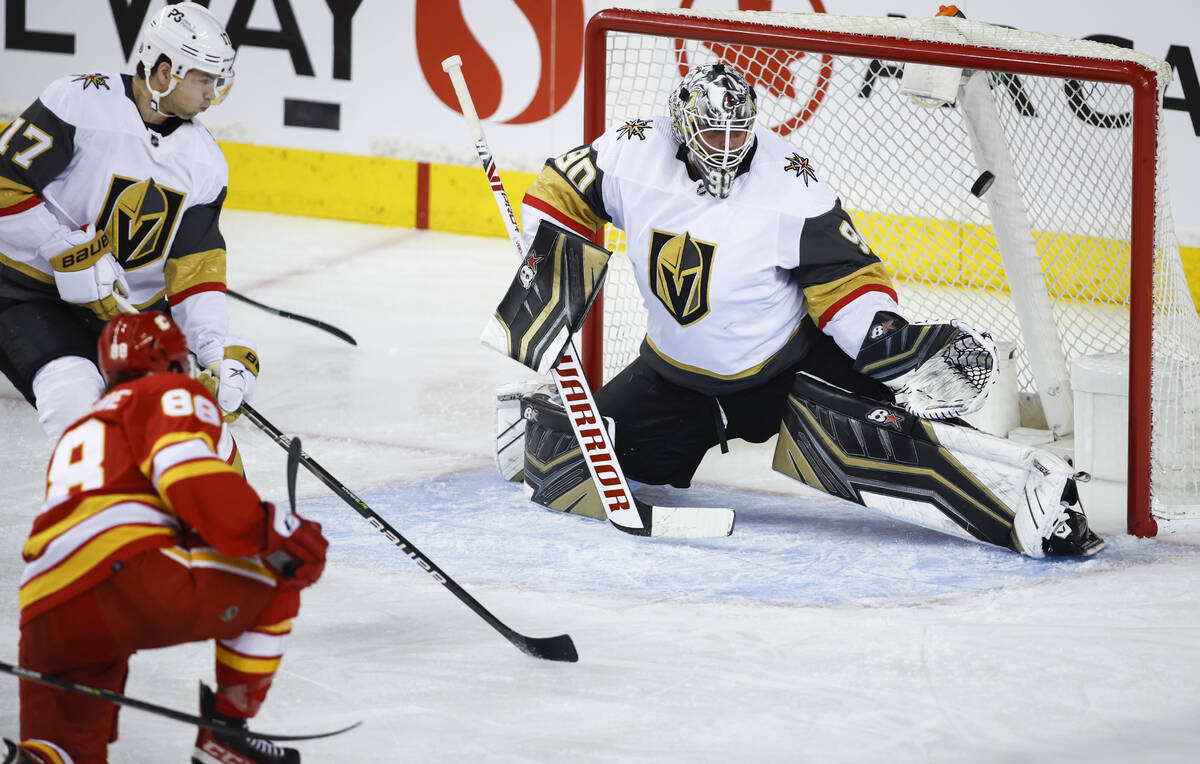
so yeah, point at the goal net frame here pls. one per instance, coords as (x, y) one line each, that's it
(777, 30)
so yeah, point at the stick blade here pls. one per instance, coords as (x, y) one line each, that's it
(453, 62)
(292, 738)
(691, 522)
(293, 464)
(681, 522)
(560, 648)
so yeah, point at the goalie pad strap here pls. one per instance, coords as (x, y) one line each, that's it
(548, 299)
(942, 476)
(894, 347)
(555, 469)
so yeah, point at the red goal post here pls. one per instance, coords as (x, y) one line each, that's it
(1078, 162)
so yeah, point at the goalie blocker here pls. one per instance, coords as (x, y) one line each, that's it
(548, 299)
(947, 477)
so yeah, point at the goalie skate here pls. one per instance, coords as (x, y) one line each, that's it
(1070, 535)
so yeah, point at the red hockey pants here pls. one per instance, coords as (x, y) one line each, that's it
(159, 598)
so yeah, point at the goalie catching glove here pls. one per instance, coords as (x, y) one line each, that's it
(230, 378)
(939, 371)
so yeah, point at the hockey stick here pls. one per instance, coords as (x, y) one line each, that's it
(179, 716)
(560, 648)
(621, 508)
(282, 561)
(336, 332)
(235, 295)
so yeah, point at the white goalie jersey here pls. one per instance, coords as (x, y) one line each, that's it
(728, 282)
(81, 157)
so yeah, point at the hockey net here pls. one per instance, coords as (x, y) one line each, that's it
(1075, 230)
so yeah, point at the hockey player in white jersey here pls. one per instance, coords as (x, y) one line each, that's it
(109, 184)
(769, 313)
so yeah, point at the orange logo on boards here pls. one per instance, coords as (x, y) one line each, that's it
(442, 31)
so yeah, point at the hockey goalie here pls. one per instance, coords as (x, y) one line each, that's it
(769, 314)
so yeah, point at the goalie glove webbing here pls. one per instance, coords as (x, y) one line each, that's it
(937, 370)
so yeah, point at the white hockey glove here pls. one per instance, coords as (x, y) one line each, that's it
(938, 371)
(85, 271)
(231, 379)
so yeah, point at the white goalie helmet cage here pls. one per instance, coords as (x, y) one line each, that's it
(712, 114)
(192, 38)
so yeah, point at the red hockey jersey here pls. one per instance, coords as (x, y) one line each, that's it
(140, 471)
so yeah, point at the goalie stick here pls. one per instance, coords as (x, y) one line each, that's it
(119, 699)
(560, 648)
(621, 508)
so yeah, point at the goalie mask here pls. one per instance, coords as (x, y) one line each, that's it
(712, 115)
(192, 38)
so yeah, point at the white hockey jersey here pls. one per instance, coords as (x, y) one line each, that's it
(82, 158)
(727, 282)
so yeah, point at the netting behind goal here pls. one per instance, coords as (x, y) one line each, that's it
(1074, 231)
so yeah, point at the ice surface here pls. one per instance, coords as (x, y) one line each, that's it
(817, 632)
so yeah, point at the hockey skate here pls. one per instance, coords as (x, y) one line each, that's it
(213, 747)
(1070, 535)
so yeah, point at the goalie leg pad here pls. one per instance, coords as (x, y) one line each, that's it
(555, 470)
(548, 299)
(942, 476)
(509, 427)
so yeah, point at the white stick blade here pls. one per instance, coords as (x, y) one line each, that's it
(454, 62)
(691, 522)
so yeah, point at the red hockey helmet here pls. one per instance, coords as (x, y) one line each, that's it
(133, 345)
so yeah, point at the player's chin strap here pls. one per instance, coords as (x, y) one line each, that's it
(939, 371)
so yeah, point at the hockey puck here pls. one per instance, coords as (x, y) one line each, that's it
(982, 184)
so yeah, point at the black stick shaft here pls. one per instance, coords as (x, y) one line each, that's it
(336, 332)
(170, 713)
(560, 648)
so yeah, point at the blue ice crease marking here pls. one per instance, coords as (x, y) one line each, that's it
(785, 550)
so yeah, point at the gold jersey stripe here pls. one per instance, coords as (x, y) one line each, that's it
(283, 627)
(550, 188)
(13, 193)
(26, 269)
(183, 273)
(89, 507)
(85, 558)
(822, 297)
(755, 369)
(48, 754)
(247, 665)
(171, 439)
(192, 469)
(206, 557)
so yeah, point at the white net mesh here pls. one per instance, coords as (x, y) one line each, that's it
(904, 170)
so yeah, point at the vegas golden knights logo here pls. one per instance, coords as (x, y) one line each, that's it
(140, 216)
(680, 270)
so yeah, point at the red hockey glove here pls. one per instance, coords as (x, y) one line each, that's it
(295, 548)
